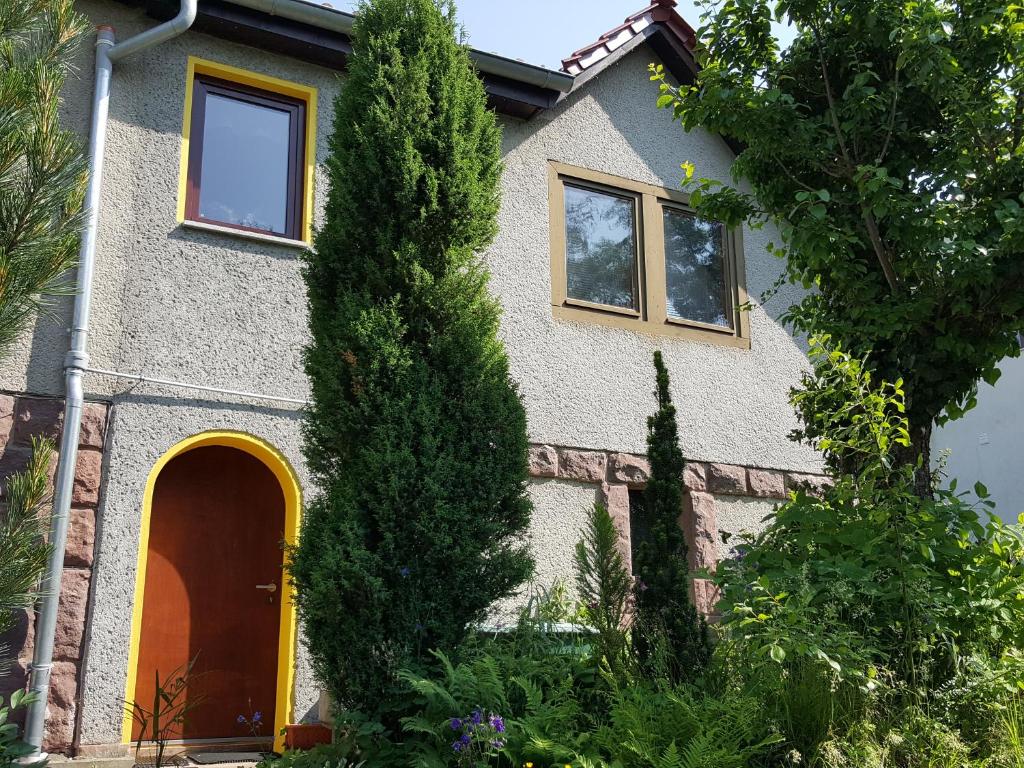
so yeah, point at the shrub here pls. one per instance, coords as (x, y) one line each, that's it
(671, 636)
(23, 548)
(416, 435)
(882, 585)
(12, 748)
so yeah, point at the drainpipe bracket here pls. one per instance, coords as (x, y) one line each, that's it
(76, 358)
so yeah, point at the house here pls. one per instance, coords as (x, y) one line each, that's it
(189, 469)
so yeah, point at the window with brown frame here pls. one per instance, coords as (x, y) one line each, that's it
(245, 163)
(632, 255)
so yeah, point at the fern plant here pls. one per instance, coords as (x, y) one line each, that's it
(684, 728)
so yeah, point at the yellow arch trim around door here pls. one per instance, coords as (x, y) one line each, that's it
(282, 469)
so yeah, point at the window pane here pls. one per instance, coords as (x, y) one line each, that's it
(244, 176)
(695, 269)
(600, 237)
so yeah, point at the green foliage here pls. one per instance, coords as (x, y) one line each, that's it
(42, 170)
(669, 631)
(416, 435)
(605, 588)
(23, 522)
(11, 746)
(887, 144)
(682, 727)
(869, 578)
(164, 719)
(320, 756)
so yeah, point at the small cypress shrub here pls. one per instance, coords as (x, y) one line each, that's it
(416, 436)
(670, 635)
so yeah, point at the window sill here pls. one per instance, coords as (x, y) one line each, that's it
(639, 325)
(258, 237)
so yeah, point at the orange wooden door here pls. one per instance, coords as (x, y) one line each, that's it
(216, 527)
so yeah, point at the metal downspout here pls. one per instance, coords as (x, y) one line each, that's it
(77, 361)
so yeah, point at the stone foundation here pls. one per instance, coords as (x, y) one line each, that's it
(617, 473)
(21, 418)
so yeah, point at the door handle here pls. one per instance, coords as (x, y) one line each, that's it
(271, 587)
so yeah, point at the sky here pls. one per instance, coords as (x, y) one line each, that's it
(543, 31)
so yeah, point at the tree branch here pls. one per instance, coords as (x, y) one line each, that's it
(831, 102)
(892, 119)
(869, 218)
(1018, 121)
(880, 250)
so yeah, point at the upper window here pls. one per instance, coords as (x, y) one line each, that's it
(246, 163)
(635, 256)
(600, 248)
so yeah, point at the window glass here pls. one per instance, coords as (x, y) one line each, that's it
(601, 248)
(244, 174)
(695, 269)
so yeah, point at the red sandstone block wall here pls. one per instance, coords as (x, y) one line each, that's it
(21, 418)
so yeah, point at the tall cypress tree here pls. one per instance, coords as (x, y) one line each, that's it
(416, 437)
(670, 635)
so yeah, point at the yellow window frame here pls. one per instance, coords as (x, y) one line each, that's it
(305, 93)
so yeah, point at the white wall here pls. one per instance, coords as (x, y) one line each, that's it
(988, 443)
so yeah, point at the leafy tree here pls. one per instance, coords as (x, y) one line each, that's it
(670, 632)
(42, 169)
(416, 436)
(887, 144)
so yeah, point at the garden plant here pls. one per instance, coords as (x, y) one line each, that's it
(416, 435)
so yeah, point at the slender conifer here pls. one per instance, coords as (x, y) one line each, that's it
(416, 437)
(670, 635)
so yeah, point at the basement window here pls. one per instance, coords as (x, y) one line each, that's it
(247, 164)
(635, 256)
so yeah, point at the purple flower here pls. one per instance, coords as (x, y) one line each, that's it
(241, 719)
(478, 716)
(456, 724)
(497, 723)
(404, 571)
(457, 746)
(257, 717)
(497, 743)
(464, 739)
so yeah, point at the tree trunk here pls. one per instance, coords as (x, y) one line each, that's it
(919, 455)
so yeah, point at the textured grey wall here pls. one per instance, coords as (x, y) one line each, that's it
(222, 311)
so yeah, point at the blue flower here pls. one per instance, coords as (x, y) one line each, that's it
(478, 716)
(241, 719)
(497, 723)
(457, 746)
(497, 743)
(456, 724)
(464, 739)
(404, 571)
(257, 717)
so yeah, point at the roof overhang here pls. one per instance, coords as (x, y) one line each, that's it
(322, 35)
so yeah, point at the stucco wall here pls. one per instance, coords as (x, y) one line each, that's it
(222, 311)
(988, 443)
(590, 385)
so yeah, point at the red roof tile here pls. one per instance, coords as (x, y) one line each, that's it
(658, 12)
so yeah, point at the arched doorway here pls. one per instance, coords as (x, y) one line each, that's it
(210, 585)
